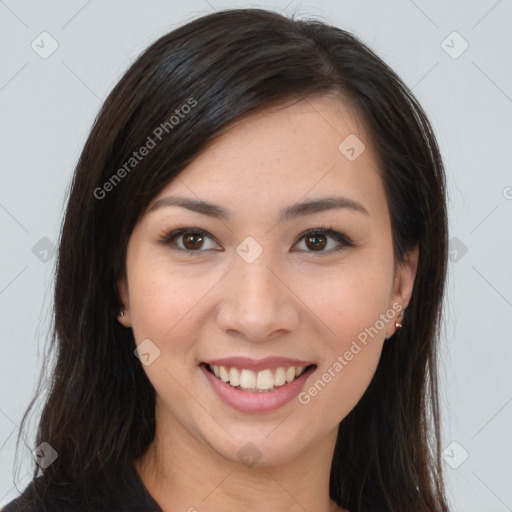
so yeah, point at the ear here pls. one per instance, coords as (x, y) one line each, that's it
(122, 290)
(402, 287)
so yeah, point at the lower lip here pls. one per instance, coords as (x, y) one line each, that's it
(246, 401)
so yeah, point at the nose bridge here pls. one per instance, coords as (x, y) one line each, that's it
(258, 303)
(255, 284)
(252, 262)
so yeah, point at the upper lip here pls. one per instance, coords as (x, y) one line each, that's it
(258, 364)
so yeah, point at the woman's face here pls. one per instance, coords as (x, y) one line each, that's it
(250, 284)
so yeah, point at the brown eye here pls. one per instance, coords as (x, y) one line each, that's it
(189, 241)
(318, 239)
(316, 242)
(192, 241)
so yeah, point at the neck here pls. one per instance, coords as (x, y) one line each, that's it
(184, 474)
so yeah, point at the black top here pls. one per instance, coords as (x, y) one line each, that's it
(35, 498)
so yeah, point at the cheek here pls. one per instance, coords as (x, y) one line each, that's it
(162, 309)
(350, 305)
(349, 361)
(161, 297)
(339, 385)
(351, 298)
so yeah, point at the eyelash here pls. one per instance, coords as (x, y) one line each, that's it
(167, 239)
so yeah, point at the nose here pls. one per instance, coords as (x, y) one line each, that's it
(257, 302)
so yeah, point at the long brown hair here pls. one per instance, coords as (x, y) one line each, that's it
(100, 409)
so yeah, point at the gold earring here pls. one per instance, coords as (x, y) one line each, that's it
(121, 313)
(398, 325)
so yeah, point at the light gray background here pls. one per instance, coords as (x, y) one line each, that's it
(48, 105)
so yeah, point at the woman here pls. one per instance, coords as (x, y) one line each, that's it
(249, 284)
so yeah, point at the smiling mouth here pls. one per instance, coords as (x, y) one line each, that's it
(263, 381)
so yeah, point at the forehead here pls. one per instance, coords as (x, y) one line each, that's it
(312, 148)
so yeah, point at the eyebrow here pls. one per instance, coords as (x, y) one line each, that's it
(296, 210)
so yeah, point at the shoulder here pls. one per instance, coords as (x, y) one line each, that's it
(39, 496)
(130, 496)
(28, 499)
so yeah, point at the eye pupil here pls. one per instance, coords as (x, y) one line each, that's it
(197, 240)
(316, 245)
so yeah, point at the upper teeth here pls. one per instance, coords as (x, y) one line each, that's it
(262, 380)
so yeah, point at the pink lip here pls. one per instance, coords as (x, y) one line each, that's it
(257, 365)
(245, 401)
